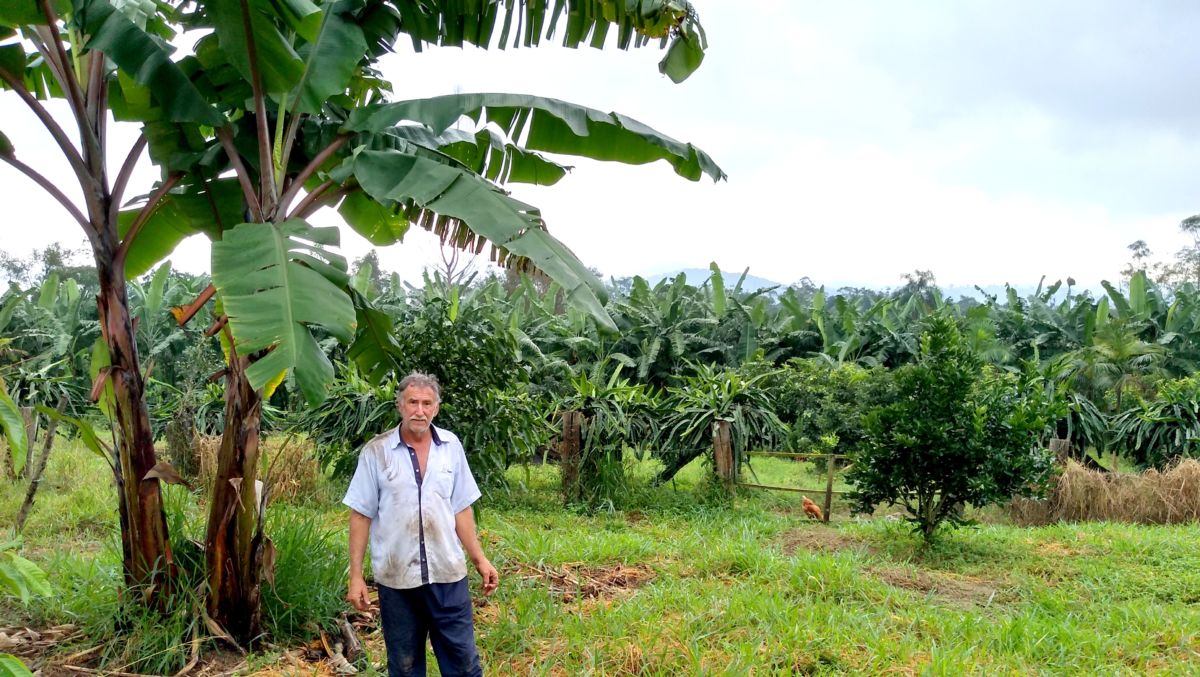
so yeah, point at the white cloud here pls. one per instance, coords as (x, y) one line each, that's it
(986, 141)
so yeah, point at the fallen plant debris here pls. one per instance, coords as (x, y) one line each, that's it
(577, 580)
(25, 642)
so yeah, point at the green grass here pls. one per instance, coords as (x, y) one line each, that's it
(680, 580)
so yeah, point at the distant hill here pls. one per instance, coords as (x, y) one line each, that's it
(697, 276)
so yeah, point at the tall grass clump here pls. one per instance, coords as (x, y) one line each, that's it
(1169, 496)
(287, 464)
(134, 637)
(309, 581)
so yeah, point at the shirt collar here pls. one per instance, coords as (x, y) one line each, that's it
(397, 441)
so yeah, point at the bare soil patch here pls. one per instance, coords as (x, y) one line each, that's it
(956, 589)
(821, 539)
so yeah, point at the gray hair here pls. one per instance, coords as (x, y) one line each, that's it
(420, 380)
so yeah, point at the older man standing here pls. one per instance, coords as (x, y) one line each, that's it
(412, 495)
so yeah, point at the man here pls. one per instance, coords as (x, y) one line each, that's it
(412, 495)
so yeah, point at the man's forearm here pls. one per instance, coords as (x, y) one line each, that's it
(360, 530)
(464, 527)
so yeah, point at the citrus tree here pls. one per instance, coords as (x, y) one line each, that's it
(956, 434)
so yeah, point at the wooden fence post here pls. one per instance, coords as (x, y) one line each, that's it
(569, 454)
(828, 487)
(30, 416)
(723, 455)
(1061, 449)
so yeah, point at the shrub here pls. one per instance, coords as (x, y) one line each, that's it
(473, 360)
(956, 435)
(484, 392)
(817, 399)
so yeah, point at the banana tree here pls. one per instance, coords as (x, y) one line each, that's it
(311, 127)
(64, 50)
(276, 113)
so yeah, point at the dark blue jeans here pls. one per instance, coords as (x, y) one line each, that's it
(439, 611)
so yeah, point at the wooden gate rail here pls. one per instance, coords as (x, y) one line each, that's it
(727, 469)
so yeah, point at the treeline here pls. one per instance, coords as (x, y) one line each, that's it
(512, 351)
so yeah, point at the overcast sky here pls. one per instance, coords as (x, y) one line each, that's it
(986, 141)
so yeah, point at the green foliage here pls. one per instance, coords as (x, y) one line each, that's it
(11, 666)
(956, 435)
(276, 281)
(518, 429)
(19, 577)
(204, 404)
(12, 429)
(1167, 428)
(616, 415)
(22, 579)
(47, 329)
(473, 359)
(714, 394)
(1085, 424)
(483, 391)
(352, 413)
(817, 399)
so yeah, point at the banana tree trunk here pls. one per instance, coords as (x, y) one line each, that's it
(145, 549)
(234, 544)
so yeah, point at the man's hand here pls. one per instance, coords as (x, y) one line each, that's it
(357, 595)
(491, 578)
(464, 526)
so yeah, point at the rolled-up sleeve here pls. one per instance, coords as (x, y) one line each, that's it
(362, 496)
(465, 491)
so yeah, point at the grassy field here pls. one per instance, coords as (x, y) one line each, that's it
(678, 580)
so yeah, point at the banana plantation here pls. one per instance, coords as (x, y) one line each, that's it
(173, 396)
(794, 369)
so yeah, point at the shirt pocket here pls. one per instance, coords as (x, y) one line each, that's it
(443, 482)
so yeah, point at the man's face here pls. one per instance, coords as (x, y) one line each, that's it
(418, 406)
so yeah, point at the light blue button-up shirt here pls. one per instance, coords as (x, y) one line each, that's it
(413, 541)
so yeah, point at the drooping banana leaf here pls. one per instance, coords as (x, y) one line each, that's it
(486, 152)
(181, 213)
(486, 212)
(527, 22)
(545, 124)
(276, 281)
